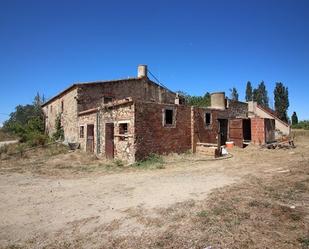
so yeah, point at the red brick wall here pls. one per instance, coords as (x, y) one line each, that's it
(257, 130)
(202, 133)
(153, 137)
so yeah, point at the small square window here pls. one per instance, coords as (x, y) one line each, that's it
(207, 119)
(81, 131)
(123, 130)
(107, 100)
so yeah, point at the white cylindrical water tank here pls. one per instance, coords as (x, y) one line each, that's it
(142, 71)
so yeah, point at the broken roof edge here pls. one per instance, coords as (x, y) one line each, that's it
(273, 115)
(91, 83)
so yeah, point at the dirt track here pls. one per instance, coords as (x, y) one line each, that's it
(39, 209)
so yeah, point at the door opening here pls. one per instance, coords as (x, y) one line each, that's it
(223, 124)
(90, 138)
(109, 140)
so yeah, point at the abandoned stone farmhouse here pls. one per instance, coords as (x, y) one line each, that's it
(128, 119)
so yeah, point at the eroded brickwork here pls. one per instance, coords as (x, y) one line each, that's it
(257, 130)
(151, 134)
(237, 109)
(205, 133)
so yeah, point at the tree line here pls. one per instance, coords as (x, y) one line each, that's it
(258, 94)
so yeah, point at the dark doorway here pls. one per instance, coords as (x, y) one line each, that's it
(247, 129)
(109, 140)
(90, 138)
(223, 124)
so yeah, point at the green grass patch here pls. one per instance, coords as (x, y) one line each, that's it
(153, 161)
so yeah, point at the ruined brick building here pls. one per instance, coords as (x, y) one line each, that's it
(128, 119)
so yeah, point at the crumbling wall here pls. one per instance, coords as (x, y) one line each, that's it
(203, 133)
(237, 109)
(151, 136)
(91, 95)
(85, 120)
(68, 115)
(123, 144)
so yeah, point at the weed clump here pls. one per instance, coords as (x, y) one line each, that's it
(152, 161)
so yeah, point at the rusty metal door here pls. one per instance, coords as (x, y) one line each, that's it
(109, 140)
(90, 138)
(236, 131)
(269, 130)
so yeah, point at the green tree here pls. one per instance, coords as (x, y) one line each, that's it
(260, 95)
(27, 122)
(294, 119)
(234, 94)
(59, 133)
(200, 101)
(249, 92)
(281, 96)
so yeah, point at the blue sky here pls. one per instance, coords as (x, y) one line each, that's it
(193, 46)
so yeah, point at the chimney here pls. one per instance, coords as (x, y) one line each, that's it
(142, 71)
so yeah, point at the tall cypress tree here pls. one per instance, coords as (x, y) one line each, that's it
(260, 95)
(294, 119)
(234, 94)
(249, 92)
(281, 95)
(263, 94)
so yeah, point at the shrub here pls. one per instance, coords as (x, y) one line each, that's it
(59, 133)
(151, 160)
(37, 139)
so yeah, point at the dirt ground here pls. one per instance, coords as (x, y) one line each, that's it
(257, 198)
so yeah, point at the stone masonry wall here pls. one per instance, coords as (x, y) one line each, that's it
(68, 116)
(123, 145)
(91, 96)
(151, 136)
(85, 120)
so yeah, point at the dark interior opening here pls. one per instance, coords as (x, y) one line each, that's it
(247, 129)
(168, 117)
(223, 126)
(207, 118)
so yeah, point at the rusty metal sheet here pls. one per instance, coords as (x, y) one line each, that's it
(235, 123)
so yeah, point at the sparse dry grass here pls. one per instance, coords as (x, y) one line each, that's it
(4, 136)
(268, 208)
(262, 212)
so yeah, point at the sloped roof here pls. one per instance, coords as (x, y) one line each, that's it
(91, 83)
(272, 113)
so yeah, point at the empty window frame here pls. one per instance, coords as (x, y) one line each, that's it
(107, 99)
(62, 106)
(123, 130)
(169, 117)
(81, 131)
(207, 119)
